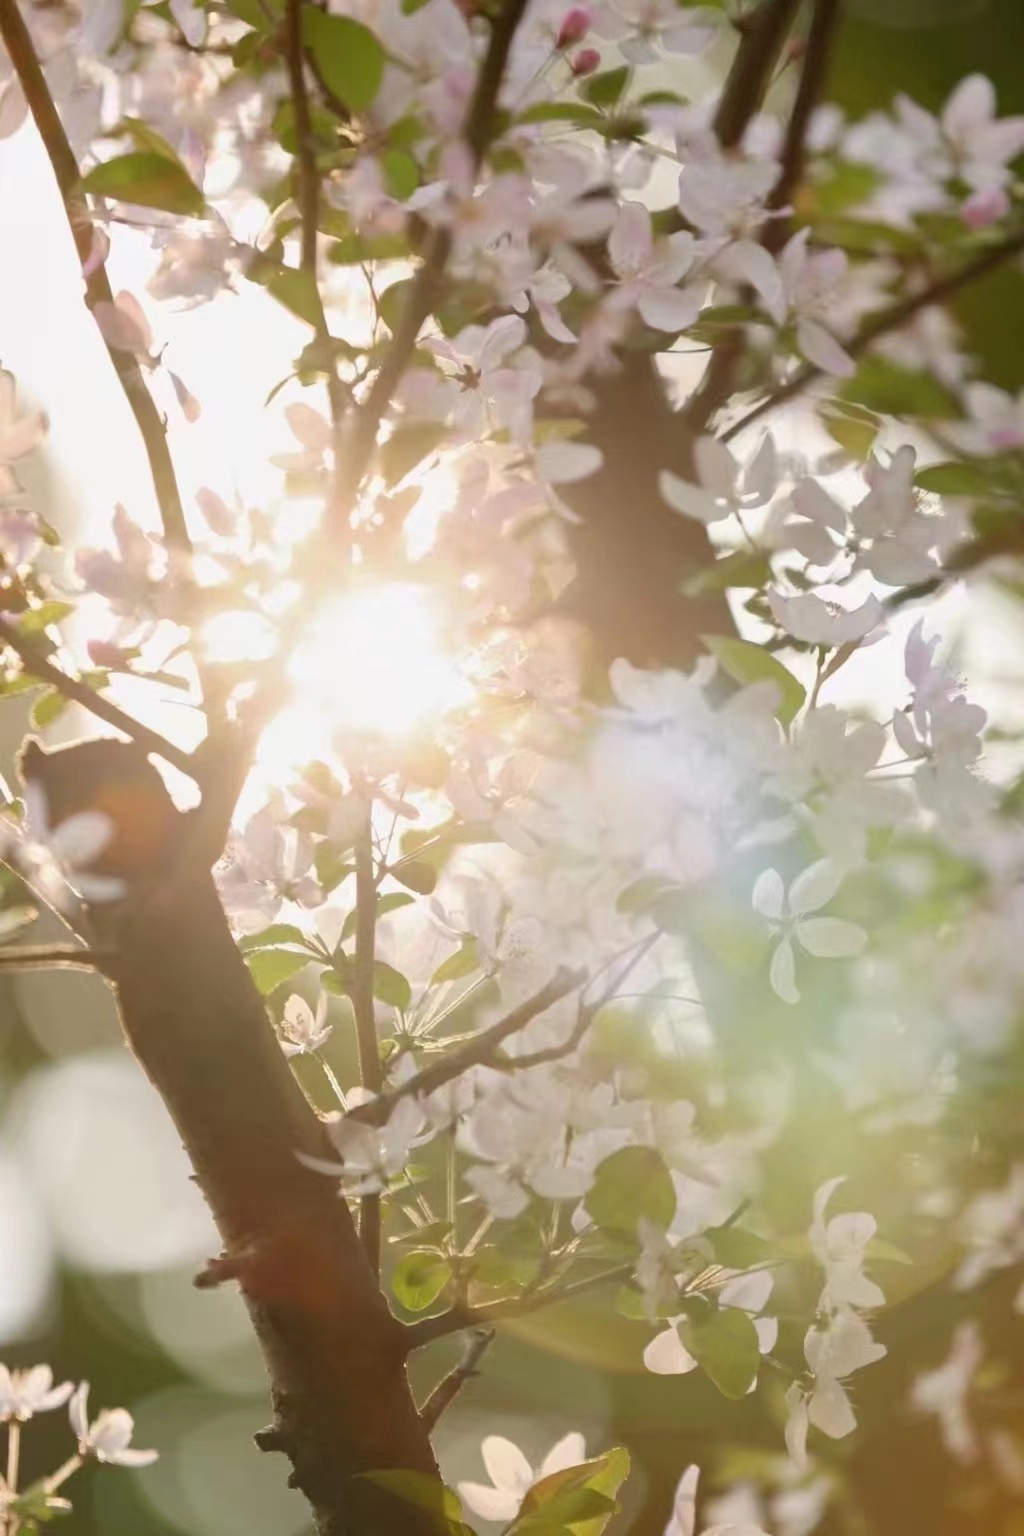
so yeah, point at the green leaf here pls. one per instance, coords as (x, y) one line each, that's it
(331, 867)
(148, 179)
(736, 1248)
(48, 707)
(631, 1183)
(418, 876)
(724, 1342)
(385, 904)
(561, 112)
(407, 445)
(352, 249)
(604, 90)
(392, 302)
(642, 893)
(500, 1267)
(423, 1492)
(749, 663)
(274, 937)
(294, 289)
(419, 1278)
(853, 428)
(578, 1499)
(863, 236)
(894, 391)
(34, 620)
(955, 479)
(390, 985)
(401, 173)
(258, 14)
(146, 140)
(464, 962)
(347, 54)
(270, 968)
(740, 568)
(877, 1248)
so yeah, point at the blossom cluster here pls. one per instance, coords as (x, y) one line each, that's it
(620, 937)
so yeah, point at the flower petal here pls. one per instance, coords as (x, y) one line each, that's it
(489, 1503)
(782, 973)
(690, 500)
(831, 938)
(665, 1355)
(814, 887)
(506, 1465)
(669, 309)
(769, 895)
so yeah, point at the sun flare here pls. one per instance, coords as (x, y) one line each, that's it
(374, 663)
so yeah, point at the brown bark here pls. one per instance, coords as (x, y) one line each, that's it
(335, 1355)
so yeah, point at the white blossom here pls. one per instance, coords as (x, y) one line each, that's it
(302, 1033)
(27, 1392)
(833, 1351)
(19, 433)
(512, 1476)
(724, 487)
(683, 1521)
(819, 621)
(840, 1246)
(666, 1355)
(108, 1437)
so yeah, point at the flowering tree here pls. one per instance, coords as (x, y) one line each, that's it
(621, 903)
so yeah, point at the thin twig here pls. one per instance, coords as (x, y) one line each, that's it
(458, 1318)
(52, 957)
(449, 1387)
(371, 1071)
(337, 513)
(23, 57)
(750, 74)
(477, 134)
(749, 77)
(587, 1013)
(888, 320)
(80, 693)
(820, 42)
(479, 1050)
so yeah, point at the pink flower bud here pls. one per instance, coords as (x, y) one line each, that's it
(585, 62)
(575, 26)
(985, 207)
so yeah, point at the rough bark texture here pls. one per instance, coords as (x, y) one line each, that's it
(335, 1355)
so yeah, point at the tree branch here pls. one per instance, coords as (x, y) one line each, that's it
(449, 1387)
(888, 320)
(80, 693)
(744, 91)
(760, 44)
(337, 512)
(371, 1071)
(199, 1028)
(19, 46)
(479, 1050)
(820, 42)
(53, 957)
(458, 1318)
(477, 134)
(587, 1013)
